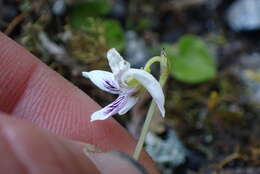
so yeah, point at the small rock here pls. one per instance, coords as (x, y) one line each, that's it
(136, 50)
(244, 15)
(168, 153)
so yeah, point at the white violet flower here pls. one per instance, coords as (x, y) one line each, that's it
(127, 83)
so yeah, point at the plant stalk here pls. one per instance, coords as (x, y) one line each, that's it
(163, 77)
(145, 130)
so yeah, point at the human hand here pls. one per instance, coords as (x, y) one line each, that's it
(31, 93)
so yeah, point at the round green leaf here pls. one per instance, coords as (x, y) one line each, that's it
(191, 61)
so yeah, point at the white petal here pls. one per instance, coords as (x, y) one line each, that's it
(131, 101)
(116, 62)
(104, 80)
(110, 109)
(150, 83)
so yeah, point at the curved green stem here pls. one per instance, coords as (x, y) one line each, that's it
(150, 62)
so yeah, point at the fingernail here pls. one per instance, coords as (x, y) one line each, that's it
(115, 162)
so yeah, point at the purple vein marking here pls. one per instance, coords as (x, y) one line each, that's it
(115, 104)
(110, 86)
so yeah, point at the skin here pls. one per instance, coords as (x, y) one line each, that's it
(43, 116)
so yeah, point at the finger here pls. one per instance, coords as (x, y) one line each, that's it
(31, 91)
(28, 149)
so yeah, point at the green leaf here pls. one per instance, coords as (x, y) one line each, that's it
(79, 13)
(114, 34)
(191, 61)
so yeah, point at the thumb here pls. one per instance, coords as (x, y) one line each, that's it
(25, 148)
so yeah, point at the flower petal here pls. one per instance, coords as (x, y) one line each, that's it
(150, 83)
(104, 80)
(110, 109)
(116, 62)
(131, 101)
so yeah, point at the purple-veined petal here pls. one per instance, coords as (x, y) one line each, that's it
(104, 80)
(131, 101)
(111, 109)
(116, 62)
(150, 83)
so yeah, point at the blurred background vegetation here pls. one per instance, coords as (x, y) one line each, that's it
(213, 93)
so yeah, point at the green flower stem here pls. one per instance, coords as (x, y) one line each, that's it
(145, 130)
(163, 77)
